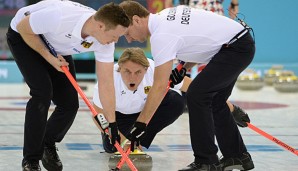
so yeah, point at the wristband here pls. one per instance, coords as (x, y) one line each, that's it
(178, 86)
(124, 143)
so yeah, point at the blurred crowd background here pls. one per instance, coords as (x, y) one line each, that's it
(274, 23)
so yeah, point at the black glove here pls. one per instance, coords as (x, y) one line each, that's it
(114, 133)
(240, 116)
(106, 143)
(177, 76)
(136, 134)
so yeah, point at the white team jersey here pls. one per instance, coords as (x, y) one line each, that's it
(61, 22)
(127, 101)
(191, 35)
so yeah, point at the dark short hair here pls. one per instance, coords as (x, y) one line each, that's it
(112, 15)
(134, 8)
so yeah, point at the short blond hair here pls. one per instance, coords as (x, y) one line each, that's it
(135, 55)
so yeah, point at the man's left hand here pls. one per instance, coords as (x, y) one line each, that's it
(136, 134)
(240, 117)
(177, 76)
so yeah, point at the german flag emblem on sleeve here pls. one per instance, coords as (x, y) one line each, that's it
(146, 89)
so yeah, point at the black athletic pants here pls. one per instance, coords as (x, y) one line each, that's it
(209, 115)
(46, 84)
(169, 110)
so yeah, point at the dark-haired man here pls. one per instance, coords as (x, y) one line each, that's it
(71, 28)
(197, 36)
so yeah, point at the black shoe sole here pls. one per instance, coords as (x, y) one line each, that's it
(247, 166)
(50, 167)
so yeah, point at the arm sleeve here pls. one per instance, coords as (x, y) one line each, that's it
(46, 20)
(164, 48)
(96, 99)
(178, 86)
(105, 53)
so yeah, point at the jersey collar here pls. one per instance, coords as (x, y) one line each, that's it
(77, 31)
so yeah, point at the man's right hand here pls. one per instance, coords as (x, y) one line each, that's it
(58, 63)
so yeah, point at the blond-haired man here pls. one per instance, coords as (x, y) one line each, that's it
(133, 78)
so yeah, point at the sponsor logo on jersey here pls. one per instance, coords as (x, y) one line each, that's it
(76, 50)
(147, 89)
(68, 35)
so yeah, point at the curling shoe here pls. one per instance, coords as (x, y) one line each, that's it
(202, 167)
(242, 163)
(31, 165)
(50, 159)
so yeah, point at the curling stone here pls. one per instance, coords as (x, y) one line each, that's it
(272, 74)
(249, 80)
(286, 82)
(140, 159)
